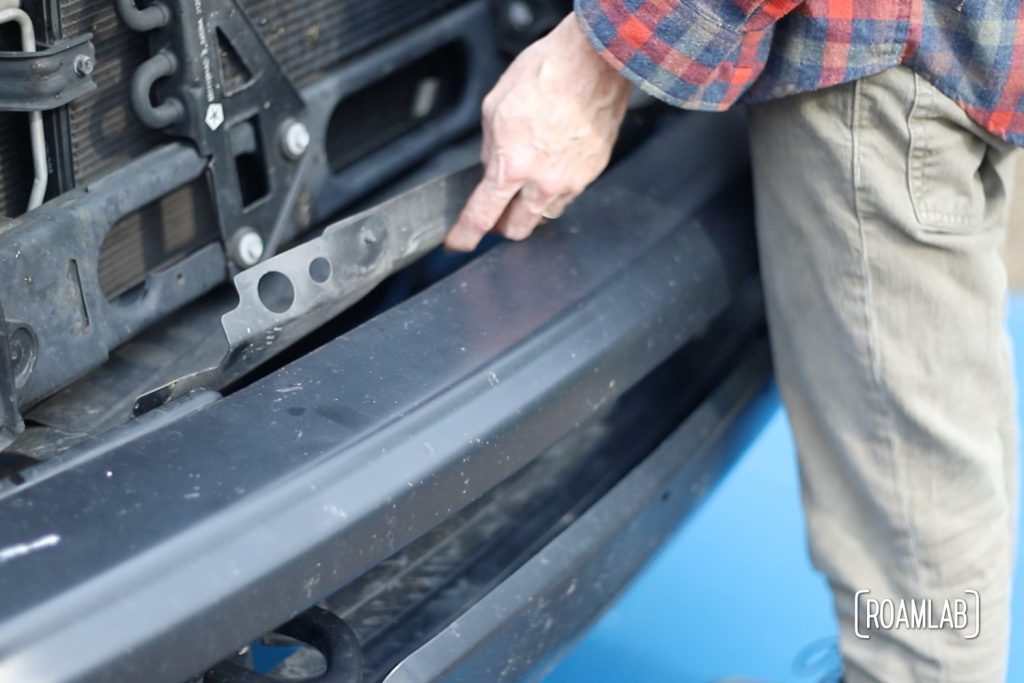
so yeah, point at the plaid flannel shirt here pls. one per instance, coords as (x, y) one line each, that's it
(711, 54)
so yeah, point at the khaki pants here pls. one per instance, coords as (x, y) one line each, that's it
(882, 211)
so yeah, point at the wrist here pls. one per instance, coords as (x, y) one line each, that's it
(571, 31)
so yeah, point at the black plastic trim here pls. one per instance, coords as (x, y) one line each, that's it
(520, 629)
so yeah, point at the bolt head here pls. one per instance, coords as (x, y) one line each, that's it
(246, 248)
(520, 15)
(295, 140)
(84, 65)
(22, 351)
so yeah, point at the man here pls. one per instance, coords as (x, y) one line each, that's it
(881, 149)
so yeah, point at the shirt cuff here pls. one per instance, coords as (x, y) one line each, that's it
(674, 52)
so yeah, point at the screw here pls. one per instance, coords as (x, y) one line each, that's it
(368, 236)
(84, 65)
(246, 248)
(295, 140)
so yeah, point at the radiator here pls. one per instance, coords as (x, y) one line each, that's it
(307, 37)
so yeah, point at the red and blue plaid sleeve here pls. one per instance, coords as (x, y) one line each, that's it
(697, 54)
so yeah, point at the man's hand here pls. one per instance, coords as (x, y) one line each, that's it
(549, 127)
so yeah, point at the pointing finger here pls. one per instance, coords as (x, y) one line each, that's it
(485, 207)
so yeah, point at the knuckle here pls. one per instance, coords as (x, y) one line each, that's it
(533, 199)
(489, 105)
(516, 168)
(549, 188)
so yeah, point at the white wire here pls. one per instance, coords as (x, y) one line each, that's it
(9, 11)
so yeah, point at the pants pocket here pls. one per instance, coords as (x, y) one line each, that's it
(947, 164)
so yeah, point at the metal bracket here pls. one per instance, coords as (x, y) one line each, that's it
(285, 298)
(218, 85)
(49, 77)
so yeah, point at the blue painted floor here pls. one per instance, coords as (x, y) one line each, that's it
(734, 595)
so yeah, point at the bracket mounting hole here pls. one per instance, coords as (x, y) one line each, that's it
(320, 270)
(276, 292)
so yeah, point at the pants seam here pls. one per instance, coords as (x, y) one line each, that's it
(882, 404)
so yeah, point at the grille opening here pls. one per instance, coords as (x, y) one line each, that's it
(253, 183)
(15, 164)
(10, 37)
(235, 74)
(15, 149)
(156, 236)
(310, 37)
(412, 96)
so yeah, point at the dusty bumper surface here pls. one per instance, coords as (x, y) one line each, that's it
(518, 629)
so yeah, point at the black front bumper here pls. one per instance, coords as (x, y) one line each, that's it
(163, 548)
(521, 628)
